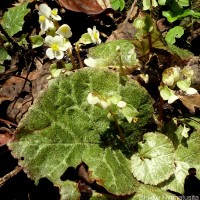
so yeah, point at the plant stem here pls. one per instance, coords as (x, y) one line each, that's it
(121, 135)
(78, 55)
(10, 175)
(69, 51)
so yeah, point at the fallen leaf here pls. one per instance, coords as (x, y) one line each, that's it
(5, 136)
(86, 6)
(191, 102)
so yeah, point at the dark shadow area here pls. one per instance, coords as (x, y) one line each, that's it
(192, 184)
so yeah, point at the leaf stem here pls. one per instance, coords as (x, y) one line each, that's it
(69, 51)
(121, 135)
(78, 55)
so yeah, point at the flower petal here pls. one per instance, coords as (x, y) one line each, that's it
(50, 53)
(45, 10)
(59, 54)
(48, 40)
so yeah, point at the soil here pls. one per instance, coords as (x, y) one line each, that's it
(20, 84)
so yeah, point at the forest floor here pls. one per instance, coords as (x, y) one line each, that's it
(21, 83)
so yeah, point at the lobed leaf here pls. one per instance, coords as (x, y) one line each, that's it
(186, 156)
(62, 130)
(121, 52)
(154, 161)
(13, 19)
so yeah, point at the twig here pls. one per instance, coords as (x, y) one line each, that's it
(131, 10)
(10, 175)
(8, 122)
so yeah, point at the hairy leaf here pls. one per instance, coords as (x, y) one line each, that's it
(112, 54)
(186, 156)
(13, 19)
(151, 192)
(62, 130)
(154, 161)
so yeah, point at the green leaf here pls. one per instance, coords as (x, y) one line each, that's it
(174, 33)
(2, 69)
(115, 4)
(172, 17)
(186, 156)
(184, 84)
(150, 192)
(182, 53)
(4, 55)
(121, 52)
(62, 130)
(162, 2)
(154, 161)
(13, 19)
(122, 4)
(85, 39)
(168, 94)
(184, 3)
(146, 4)
(129, 112)
(36, 41)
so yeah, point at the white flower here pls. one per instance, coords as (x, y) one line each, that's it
(64, 30)
(121, 104)
(94, 34)
(54, 15)
(57, 45)
(92, 99)
(44, 17)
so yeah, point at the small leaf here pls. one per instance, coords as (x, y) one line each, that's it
(98, 56)
(36, 41)
(154, 161)
(146, 4)
(55, 71)
(172, 18)
(182, 53)
(13, 19)
(162, 2)
(174, 33)
(4, 55)
(129, 112)
(85, 39)
(2, 69)
(184, 84)
(184, 3)
(191, 102)
(168, 94)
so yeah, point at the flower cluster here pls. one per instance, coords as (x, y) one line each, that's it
(58, 43)
(114, 105)
(175, 77)
(57, 37)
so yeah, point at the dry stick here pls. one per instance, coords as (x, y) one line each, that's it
(8, 122)
(131, 10)
(10, 175)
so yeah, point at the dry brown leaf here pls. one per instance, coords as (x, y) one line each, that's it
(5, 136)
(191, 102)
(86, 6)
